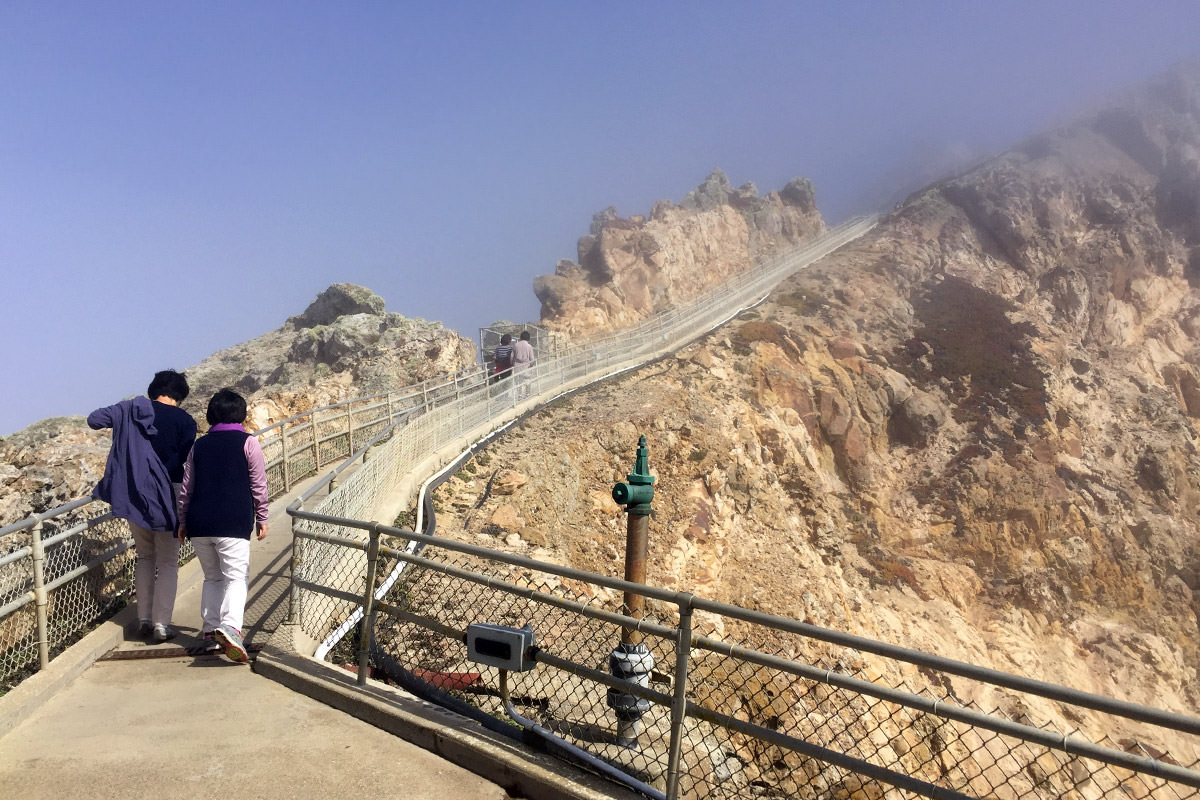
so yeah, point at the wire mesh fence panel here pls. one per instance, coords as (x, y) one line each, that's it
(18, 630)
(333, 567)
(790, 727)
(102, 589)
(446, 408)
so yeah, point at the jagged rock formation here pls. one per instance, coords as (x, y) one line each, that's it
(344, 345)
(974, 432)
(631, 268)
(47, 464)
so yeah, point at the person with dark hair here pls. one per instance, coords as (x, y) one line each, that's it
(151, 437)
(522, 360)
(502, 359)
(223, 499)
(176, 428)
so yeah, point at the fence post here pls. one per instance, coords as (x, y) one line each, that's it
(294, 590)
(683, 649)
(287, 470)
(312, 424)
(368, 618)
(349, 431)
(41, 600)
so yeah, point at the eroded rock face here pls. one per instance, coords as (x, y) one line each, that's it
(344, 345)
(50, 463)
(973, 432)
(630, 268)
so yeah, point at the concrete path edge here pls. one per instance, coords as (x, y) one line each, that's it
(518, 768)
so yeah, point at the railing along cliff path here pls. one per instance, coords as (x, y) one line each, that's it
(735, 703)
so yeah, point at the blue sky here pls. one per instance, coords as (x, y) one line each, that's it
(177, 178)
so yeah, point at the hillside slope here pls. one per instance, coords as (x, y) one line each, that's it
(973, 432)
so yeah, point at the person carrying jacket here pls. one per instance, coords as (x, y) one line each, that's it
(137, 486)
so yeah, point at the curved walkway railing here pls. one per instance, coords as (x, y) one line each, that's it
(728, 711)
(739, 703)
(66, 568)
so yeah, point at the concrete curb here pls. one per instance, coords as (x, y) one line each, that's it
(519, 769)
(30, 694)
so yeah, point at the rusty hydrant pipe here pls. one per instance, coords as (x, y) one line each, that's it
(637, 542)
(631, 660)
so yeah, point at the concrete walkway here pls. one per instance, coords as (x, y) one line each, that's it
(116, 717)
(158, 721)
(204, 727)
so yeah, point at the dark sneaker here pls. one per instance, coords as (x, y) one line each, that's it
(145, 628)
(231, 639)
(162, 633)
(209, 643)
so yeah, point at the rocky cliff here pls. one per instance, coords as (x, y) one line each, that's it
(629, 268)
(345, 344)
(973, 432)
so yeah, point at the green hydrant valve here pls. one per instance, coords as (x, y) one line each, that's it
(638, 492)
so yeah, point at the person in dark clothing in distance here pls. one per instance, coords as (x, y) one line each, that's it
(502, 359)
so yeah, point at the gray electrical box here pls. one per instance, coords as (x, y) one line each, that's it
(501, 646)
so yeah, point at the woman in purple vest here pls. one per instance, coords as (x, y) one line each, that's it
(224, 499)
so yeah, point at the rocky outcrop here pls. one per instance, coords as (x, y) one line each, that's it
(50, 463)
(973, 432)
(344, 345)
(630, 268)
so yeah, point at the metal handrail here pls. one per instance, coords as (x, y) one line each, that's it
(687, 604)
(293, 446)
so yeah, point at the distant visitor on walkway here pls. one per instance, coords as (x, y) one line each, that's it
(224, 499)
(151, 438)
(522, 360)
(502, 359)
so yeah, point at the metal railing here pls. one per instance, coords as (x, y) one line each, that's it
(479, 406)
(768, 707)
(60, 572)
(63, 570)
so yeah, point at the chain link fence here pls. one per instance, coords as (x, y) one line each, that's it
(60, 573)
(770, 708)
(767, 708)
(40, 615)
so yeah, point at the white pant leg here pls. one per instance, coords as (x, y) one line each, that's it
(212, 593)
(235, 564)
(226, 564)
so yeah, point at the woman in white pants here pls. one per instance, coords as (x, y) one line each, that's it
(224, 499)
